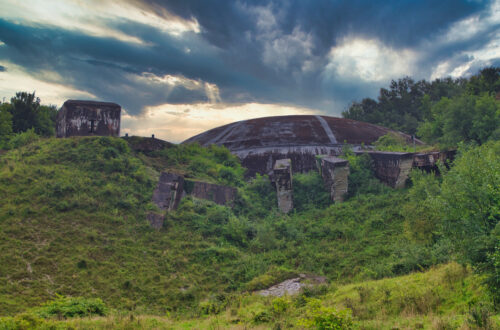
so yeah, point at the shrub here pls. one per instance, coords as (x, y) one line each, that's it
(321, 317)
(65, 307)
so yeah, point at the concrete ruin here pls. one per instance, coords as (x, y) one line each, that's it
(88, 118)
(392, 168)
(169, 191)
(272, 145)
(222, 195)
(260, 142)
(282, 177)
(335, 173)
(172, 188)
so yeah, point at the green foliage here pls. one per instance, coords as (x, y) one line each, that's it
(213, 164)
(470, 199)
(464, 118)
(361, 178)
(5, 124)
(256, 199)
(405, 104)
(443, 111)
(66, 307)
(323, 318)
(273, 276)
(27, 113)
(22, 139)
(309, 191)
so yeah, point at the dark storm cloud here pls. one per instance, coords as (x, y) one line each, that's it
(253, 51)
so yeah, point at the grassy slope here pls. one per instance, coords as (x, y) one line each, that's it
(437, 299)
(72, 222)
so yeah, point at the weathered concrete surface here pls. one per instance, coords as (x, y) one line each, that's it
(293, 286)
(282, 176)
(155, 220)
(428, 161)
(335, 173)
(260, 142)
(169, 191)
(392, 168)
(87, 118)
(222, 195)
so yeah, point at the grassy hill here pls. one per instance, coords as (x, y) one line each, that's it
(73, 223)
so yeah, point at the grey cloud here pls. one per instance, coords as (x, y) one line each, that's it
(247, 61)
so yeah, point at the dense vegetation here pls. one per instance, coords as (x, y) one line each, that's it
(23, 113)
(72, 219)
(443, 111)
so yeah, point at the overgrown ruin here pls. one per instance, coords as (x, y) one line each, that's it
(87, 118)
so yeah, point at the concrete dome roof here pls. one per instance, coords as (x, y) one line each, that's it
(286, 131)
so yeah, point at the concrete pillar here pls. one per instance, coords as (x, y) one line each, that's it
(335, 173)
(282, 173)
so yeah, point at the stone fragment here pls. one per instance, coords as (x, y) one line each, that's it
(282, 175)
(335, 173)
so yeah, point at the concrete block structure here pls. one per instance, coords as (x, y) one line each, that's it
(88, 118)
(219, 194)
(282, 175)
(392, 168)
(335, 173)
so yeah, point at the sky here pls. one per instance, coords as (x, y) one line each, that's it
(180, 67)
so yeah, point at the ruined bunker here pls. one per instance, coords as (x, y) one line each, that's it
(87, 118)
(260, 142)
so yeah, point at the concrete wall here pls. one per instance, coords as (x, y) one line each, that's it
(392, 168)
(222, 195)
(88, 118)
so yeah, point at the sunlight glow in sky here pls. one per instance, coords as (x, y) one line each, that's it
(181, 67)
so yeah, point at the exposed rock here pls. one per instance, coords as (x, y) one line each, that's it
(222, 195)
(335, 173)
(293, 286)
(282, 175)
(88, 118)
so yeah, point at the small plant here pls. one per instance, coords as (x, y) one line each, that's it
(66, 307)
(321, 317)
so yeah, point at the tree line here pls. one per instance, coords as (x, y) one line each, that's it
(444, 111)
(23, 113)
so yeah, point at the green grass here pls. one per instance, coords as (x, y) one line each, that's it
(73, 223)
(445, 297)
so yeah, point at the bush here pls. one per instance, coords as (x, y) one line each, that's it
(309, 191)
(21, 139)
(65, 307)
(321, 317)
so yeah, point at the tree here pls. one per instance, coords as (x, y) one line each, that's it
(24, 108)
(5, 123)
(27, 113)
(464, 118)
